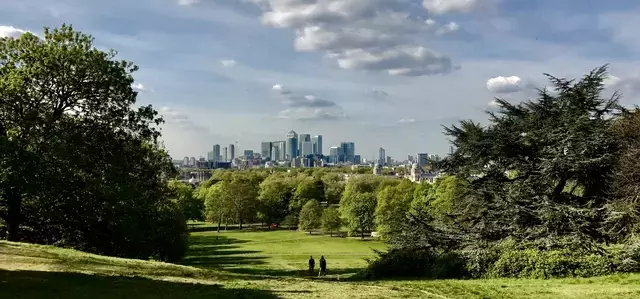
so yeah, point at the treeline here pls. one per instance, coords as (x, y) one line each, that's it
(548, 188)
(80, 165)
(314, 199)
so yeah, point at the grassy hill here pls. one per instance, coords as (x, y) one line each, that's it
(257, 265)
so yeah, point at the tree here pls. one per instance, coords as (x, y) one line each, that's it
(359, 212)
(244, 190)
(191, 205)
(218, 206)
(90, 173)
(310, 216)
(526, 158)
(331, 220)
(309, 188)
(276, 193)
(393, 204)
(334, 186)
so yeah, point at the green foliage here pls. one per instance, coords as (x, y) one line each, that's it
(330, 220)
(185, 197)
(81, 165)
(415, 262)
(218, 207)
(310, 216)
(393, 203)
(358, 211)
(276, 193)
(309, 188)
(630, 256)
(334, 186)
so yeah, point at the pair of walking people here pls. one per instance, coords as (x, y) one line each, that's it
(323, 266)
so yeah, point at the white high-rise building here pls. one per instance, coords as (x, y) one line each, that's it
(216, 152)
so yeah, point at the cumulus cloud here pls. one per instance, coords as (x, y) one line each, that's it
(138, 87)
(501, 84)
(450, 6)
(10, 31)
(306, 107)
(228, 63)
(280, 89)
(180, 120)
(374, 35)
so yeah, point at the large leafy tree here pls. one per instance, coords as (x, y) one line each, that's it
(310, 216)
(542, 166)
(276, 193)
(81, 166)
(331, 220)
(393, 204)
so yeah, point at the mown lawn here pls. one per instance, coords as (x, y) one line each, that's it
(238, 264)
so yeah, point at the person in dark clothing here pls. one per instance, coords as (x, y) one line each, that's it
(323, 266)
(312, 264)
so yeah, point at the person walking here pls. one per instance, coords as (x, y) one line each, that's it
(323, 267)
(312, 265)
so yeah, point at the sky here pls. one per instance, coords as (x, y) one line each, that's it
(380, 73)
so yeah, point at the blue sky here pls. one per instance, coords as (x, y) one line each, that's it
(380, 73)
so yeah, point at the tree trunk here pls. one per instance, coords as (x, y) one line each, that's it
(240, 223)
(309, 231)
(14, 203)
(362, 234)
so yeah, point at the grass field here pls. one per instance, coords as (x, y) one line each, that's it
(239, 264)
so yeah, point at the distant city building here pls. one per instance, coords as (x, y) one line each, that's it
(381, 156)
(225, 156)
(389, 161)
(192, 161)
(278, 150)
(410, 158)
(422, 159)
(248, 154)
(346, 152)
(185, 161)
(333, 154)
(306, 149)
(232, 152)
(216, 153)
(317, 145)
(265, 149)
(292, 145)
(302, 138)
(210, 156)
(357, 160)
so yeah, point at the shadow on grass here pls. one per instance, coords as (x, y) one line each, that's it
(219, 252)
(53, 285)
(292, 273)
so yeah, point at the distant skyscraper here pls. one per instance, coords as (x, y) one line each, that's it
(317, 145)
(216, 152)
(381, 156)
(232, 152)
(389, 161)
(356, 159)
(185, 161)
(265, 149)
(348, 151)
(307, 148)
(275, 151)
(225, 154)
(333, 154)
(192, 161)
(422, 159)
(292, 145)
(248, 154)
(301, 139)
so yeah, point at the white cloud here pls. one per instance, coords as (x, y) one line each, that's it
(280, 89)
(311, 114)
(188, 2)
(407, 121)
(375, 35)
(505, 84)
(10, 31)
(611, 81)
(138, 87)
(450, 6)
(228, 63)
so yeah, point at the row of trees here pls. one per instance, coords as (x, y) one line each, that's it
(314, 199)
(80, 163)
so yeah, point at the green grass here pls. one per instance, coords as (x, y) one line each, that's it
(278, 252)
(238, 264)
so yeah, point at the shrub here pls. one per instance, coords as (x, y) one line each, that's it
(416, 262)
(630, 256)
(535, 263)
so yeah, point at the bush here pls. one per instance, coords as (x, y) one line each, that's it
(630, 256)
(535, 263)
(416, 262)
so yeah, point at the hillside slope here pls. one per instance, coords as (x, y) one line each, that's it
(33, 271)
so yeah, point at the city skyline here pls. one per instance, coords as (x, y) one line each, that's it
(246, 71)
